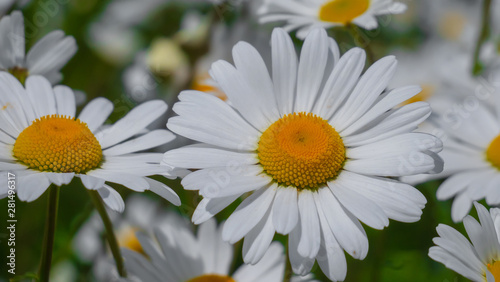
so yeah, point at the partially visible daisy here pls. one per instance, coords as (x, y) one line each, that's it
(470, 130)
(314, 144)
(45, 58)
(142, 214)
(479, 261)
(177, 255)
(302, 15)
(43, 142)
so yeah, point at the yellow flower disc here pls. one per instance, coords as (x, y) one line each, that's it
(343, 11)
(301, 150)
(494, 268)
(58, 144)
(212, 278)
(493, 152)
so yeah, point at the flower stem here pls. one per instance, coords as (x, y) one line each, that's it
(50, 228)
(485, 31)
(288, 266)
(110, 235)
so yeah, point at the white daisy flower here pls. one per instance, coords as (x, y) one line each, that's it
(314, 144)
(178, 255)
(471, 136)
(43, 142)
(302, 15)
(45, 58)
(479, 261)
(142, 214)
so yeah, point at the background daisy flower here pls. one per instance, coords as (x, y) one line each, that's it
(43, 142)
(45, 58)
(471, 153)
(142, 214)
(479, 261)
(302, 15)
(314, 145)
(178, 255)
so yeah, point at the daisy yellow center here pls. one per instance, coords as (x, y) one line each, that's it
(343, 11)
(452, 25)
(493, 152)
(57, 143)
(212, 278)
(494, 268)
(424, 95)
(301, 150)
(20, 73)
(128, 239)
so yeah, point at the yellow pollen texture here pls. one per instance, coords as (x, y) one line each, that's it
(494, 268)
(301, 150)
(212, 278)
(493, 152)
(58, 144)
(343, 11)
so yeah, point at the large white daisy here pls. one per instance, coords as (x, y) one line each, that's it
(181, 256)
(43, 142)
(302, 15)
(479, 261)
(45, 58)
(314, 144)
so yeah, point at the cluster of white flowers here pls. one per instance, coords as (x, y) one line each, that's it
(309, 144)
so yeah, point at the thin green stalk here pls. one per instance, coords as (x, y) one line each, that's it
(484, 33)
(288, 266)
(110, 235)
(50, 228)
(356, 35)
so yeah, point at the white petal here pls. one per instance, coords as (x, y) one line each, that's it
(149, 140)
(226, 181)
(284, 70)
(60, 178)
(248, 214)
(96, 112)
(205, 157)
(369, 87)
(31, 186)
(285, 210)
(252, 106)
(257, 241)
(311, 69)
(111, 198)
(90, 182)
(252, 68)
(65, 101)
(207, 208)
(41, 95)
(164, 191)
(136, 183)
(300, 265)
(347, 230)
(135, 121)
(364, 209)
(208, 119)
(310, 237)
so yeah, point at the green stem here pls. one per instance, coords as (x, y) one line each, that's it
(477, 67)
(288, 266)
(50, 228)
(357, 37)
(110, 235)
